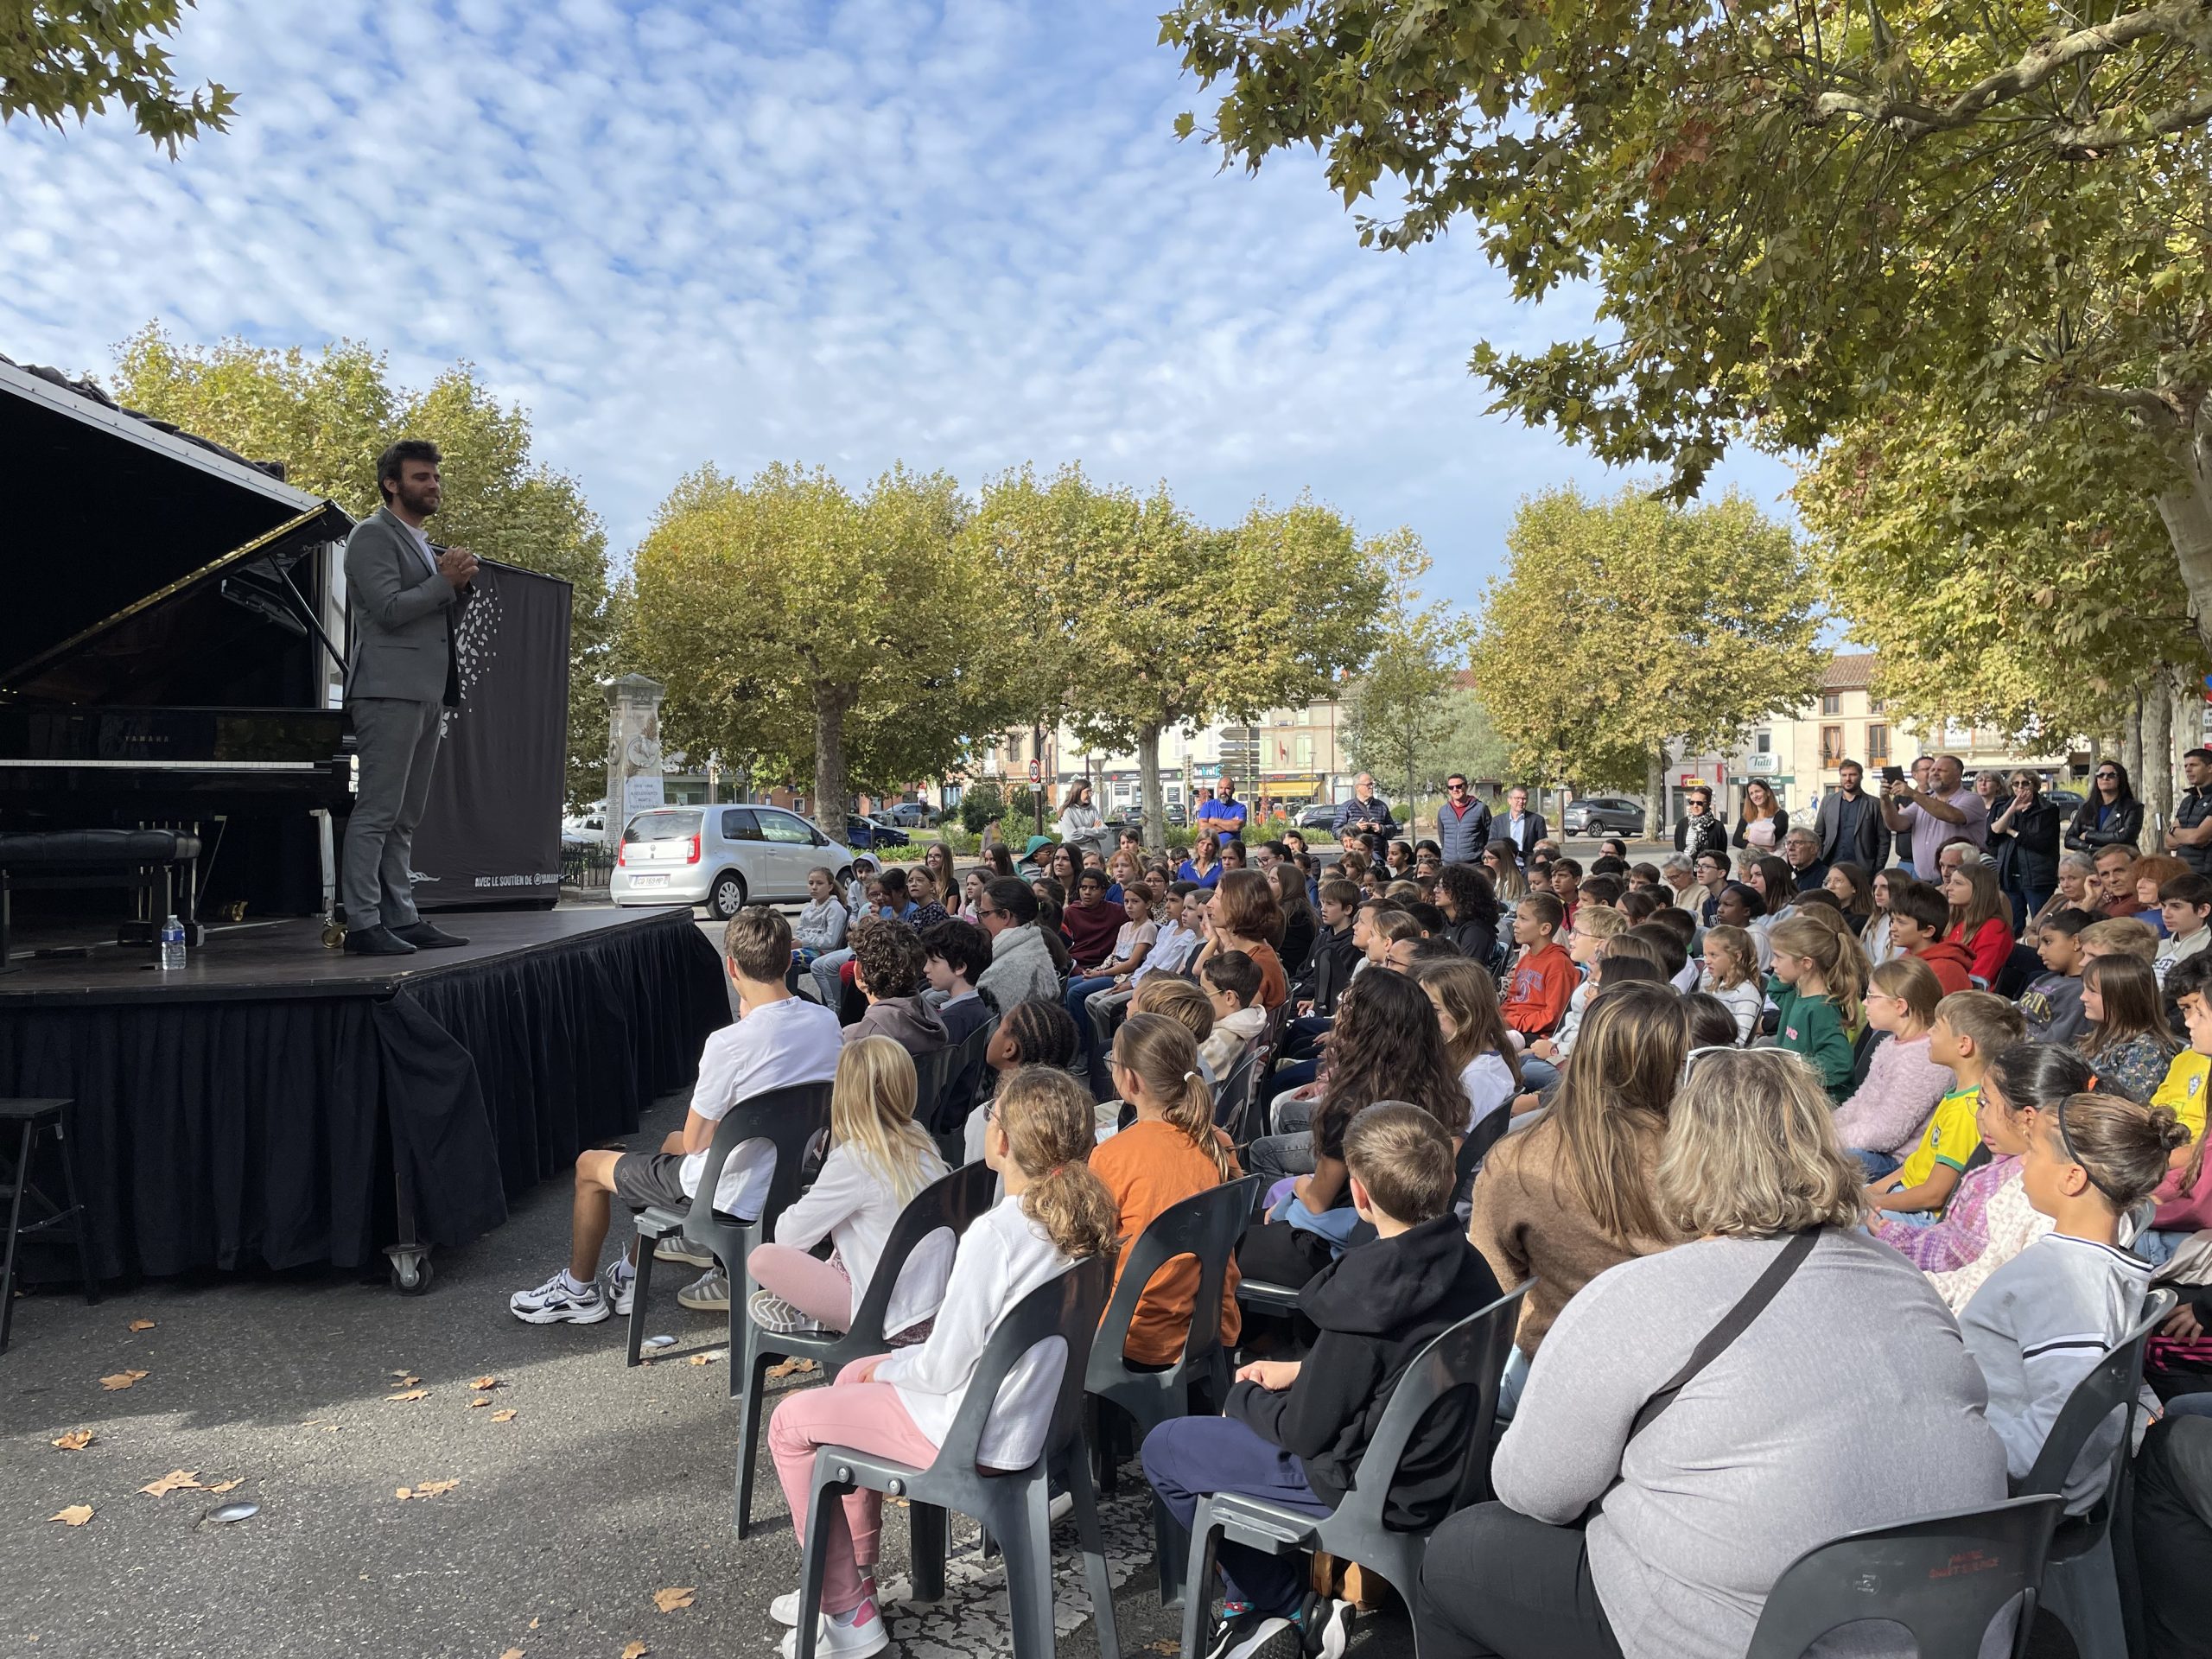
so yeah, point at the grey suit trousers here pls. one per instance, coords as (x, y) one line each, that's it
(395, 741)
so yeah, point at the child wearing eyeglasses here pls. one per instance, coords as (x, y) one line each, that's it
(2042, 1321)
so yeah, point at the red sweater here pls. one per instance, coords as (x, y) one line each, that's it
(1989, 949)
(1543, 979)
(1950, 964)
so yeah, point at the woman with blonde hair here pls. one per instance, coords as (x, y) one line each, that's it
(1055, 1213)
(879, 1158)
(1694, 1528)
(1568, 1199)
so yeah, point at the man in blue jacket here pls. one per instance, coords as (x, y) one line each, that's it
(1462, 824)
(1367, 815)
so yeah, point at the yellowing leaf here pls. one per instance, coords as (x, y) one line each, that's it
(120, 1380)
(636, 1650)
(511, 1653)
(427, 1488)
(506, 1416)
(480, 1400)
(227, 1485)
(75, 1516)
(670, 1600)
(75, 1440)
(142, 1325)
(486, 1383)
(176, 1480)
(411, 1394)
(405, 1381)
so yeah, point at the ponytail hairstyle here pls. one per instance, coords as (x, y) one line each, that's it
(1050, 1126)
(872, 1112)
(1470, 996)
(1835, 952)
(1165, 1059)
(2035, 1076)
(1042, 1032)
(2121, 1145)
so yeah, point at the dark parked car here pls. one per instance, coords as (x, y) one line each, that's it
(1321, 815)
(873, 832)
(1603, 814)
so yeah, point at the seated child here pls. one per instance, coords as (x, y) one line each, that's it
(2118, 936)
(1543, 977)
(1476, 1042)
(1819, 974)
(1884, 1116)
(954, 953)
(1595, 926)
(2052, 1003)
(2184, 1198)
(1970, 1027)
(1035, 1032)
(1732, 963)
(2044, 1319)
(901, 1405)
(879, 1158)
(819, 927)
(1294, 1433)
(1989, 1220)
(1171, 1153)
(889, 966)
(1231, 982)
(779, 1040)
(1712, 1024)
(1919, 917)
(2185, 906)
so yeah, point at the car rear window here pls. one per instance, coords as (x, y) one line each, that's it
(669, 825)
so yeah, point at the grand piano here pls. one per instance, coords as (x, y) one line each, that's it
(165, 652)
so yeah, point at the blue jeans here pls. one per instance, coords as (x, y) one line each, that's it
(1079, 991)
(1189, 1458)
(1877, 1164)
(828, 978)
(1537, 1075)
(1302, 1038)
(2189, 1405)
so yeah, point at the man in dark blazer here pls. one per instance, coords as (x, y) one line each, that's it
(1518, 824)
(405, 598)
(1849, 823)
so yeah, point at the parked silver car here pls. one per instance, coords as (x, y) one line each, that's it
(723, 857)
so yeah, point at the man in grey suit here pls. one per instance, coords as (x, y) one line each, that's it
(405, 598)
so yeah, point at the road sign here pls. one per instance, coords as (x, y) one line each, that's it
(1036, 772)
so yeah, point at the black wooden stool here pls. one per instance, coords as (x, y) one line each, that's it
(52, 1223)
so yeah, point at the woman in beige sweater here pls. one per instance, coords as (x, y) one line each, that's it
(1573, 1196)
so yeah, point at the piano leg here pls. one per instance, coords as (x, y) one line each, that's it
(7, 923)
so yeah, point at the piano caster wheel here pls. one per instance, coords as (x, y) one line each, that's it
(410, 1271)
(334, 937)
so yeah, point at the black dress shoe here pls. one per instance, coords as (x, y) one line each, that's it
(378, 941)
(423, 936)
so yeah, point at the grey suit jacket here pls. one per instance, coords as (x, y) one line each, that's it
(403, 619)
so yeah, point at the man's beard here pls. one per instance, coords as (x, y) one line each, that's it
(420, 504)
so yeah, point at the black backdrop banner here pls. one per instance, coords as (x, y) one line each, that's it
(492, 832)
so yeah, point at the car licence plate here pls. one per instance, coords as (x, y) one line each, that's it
(648, 880)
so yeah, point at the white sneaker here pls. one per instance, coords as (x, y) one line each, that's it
(778, 1318)
(858, 1640)
(676, 1248)
(709, 1293)
(619, 1289)
(554, 1303)
(785, 1608)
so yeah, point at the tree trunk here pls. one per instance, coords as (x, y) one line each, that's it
(832, 699)
(1154, 805)
(2154, 785)
(2131, 741)
(2186, 507)
(1655, 797)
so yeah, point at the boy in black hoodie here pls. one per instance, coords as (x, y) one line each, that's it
(1293, 1433)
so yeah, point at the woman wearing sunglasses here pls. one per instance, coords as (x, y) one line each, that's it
(2112, 816)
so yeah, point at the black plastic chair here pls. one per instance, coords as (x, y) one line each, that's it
(2080, 1581)
(1862, 1052)
(2019, 972)
(789, 1117)
(933, 1073)
(1013, 1505)
(1206, 1225)
(952, 1201)
(1470, 1354)
(1946, 1578)
(1232, 1092)
(1474, 1147)
(63, 1223)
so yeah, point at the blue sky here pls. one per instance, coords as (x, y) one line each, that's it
(960, 234)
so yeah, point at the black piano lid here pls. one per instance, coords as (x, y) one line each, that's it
(120, 525)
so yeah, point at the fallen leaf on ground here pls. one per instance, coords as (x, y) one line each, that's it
(486, 1383)
(668, 1600)
(636, 1650)
(399, 1373)
(75, 1516)
(533, 1624)
(506, 1416)
(511, 1653)
(427, 1488)
(176, 1480)
(120, 1380)
(480, 1400)
(142, 1325)
(791, 1368)
(704, 1359)
(227, 1485)
(405, 1381)
(403, 1494)
(75, 1440)
(411, 1394)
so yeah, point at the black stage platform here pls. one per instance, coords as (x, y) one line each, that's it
(282, 1104)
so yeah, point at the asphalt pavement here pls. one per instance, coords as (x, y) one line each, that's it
(579, 1489)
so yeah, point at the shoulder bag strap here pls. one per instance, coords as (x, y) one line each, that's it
(1733, 1325)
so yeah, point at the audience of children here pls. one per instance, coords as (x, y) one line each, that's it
(1969, 1028)
(2129, 1041)
(1887, 1112)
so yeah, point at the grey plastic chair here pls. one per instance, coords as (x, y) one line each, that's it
(1946, 1578)
(950, 1202)
(1470, 1354)
(947, 1117)
(1232, 1094)
(1206, 1225)
(789, 1117)
(1013, 1505)
(2081, 1582)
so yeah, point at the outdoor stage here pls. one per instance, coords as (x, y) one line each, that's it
(279, 1104)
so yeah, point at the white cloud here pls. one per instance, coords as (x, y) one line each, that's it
(965, 237)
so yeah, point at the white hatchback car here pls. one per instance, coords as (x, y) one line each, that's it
(723, 857)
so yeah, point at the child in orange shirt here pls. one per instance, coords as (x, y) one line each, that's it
(1172, 1152)
(1544, 976)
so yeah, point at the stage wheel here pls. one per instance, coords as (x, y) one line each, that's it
(334, 937)
(410, 1276)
